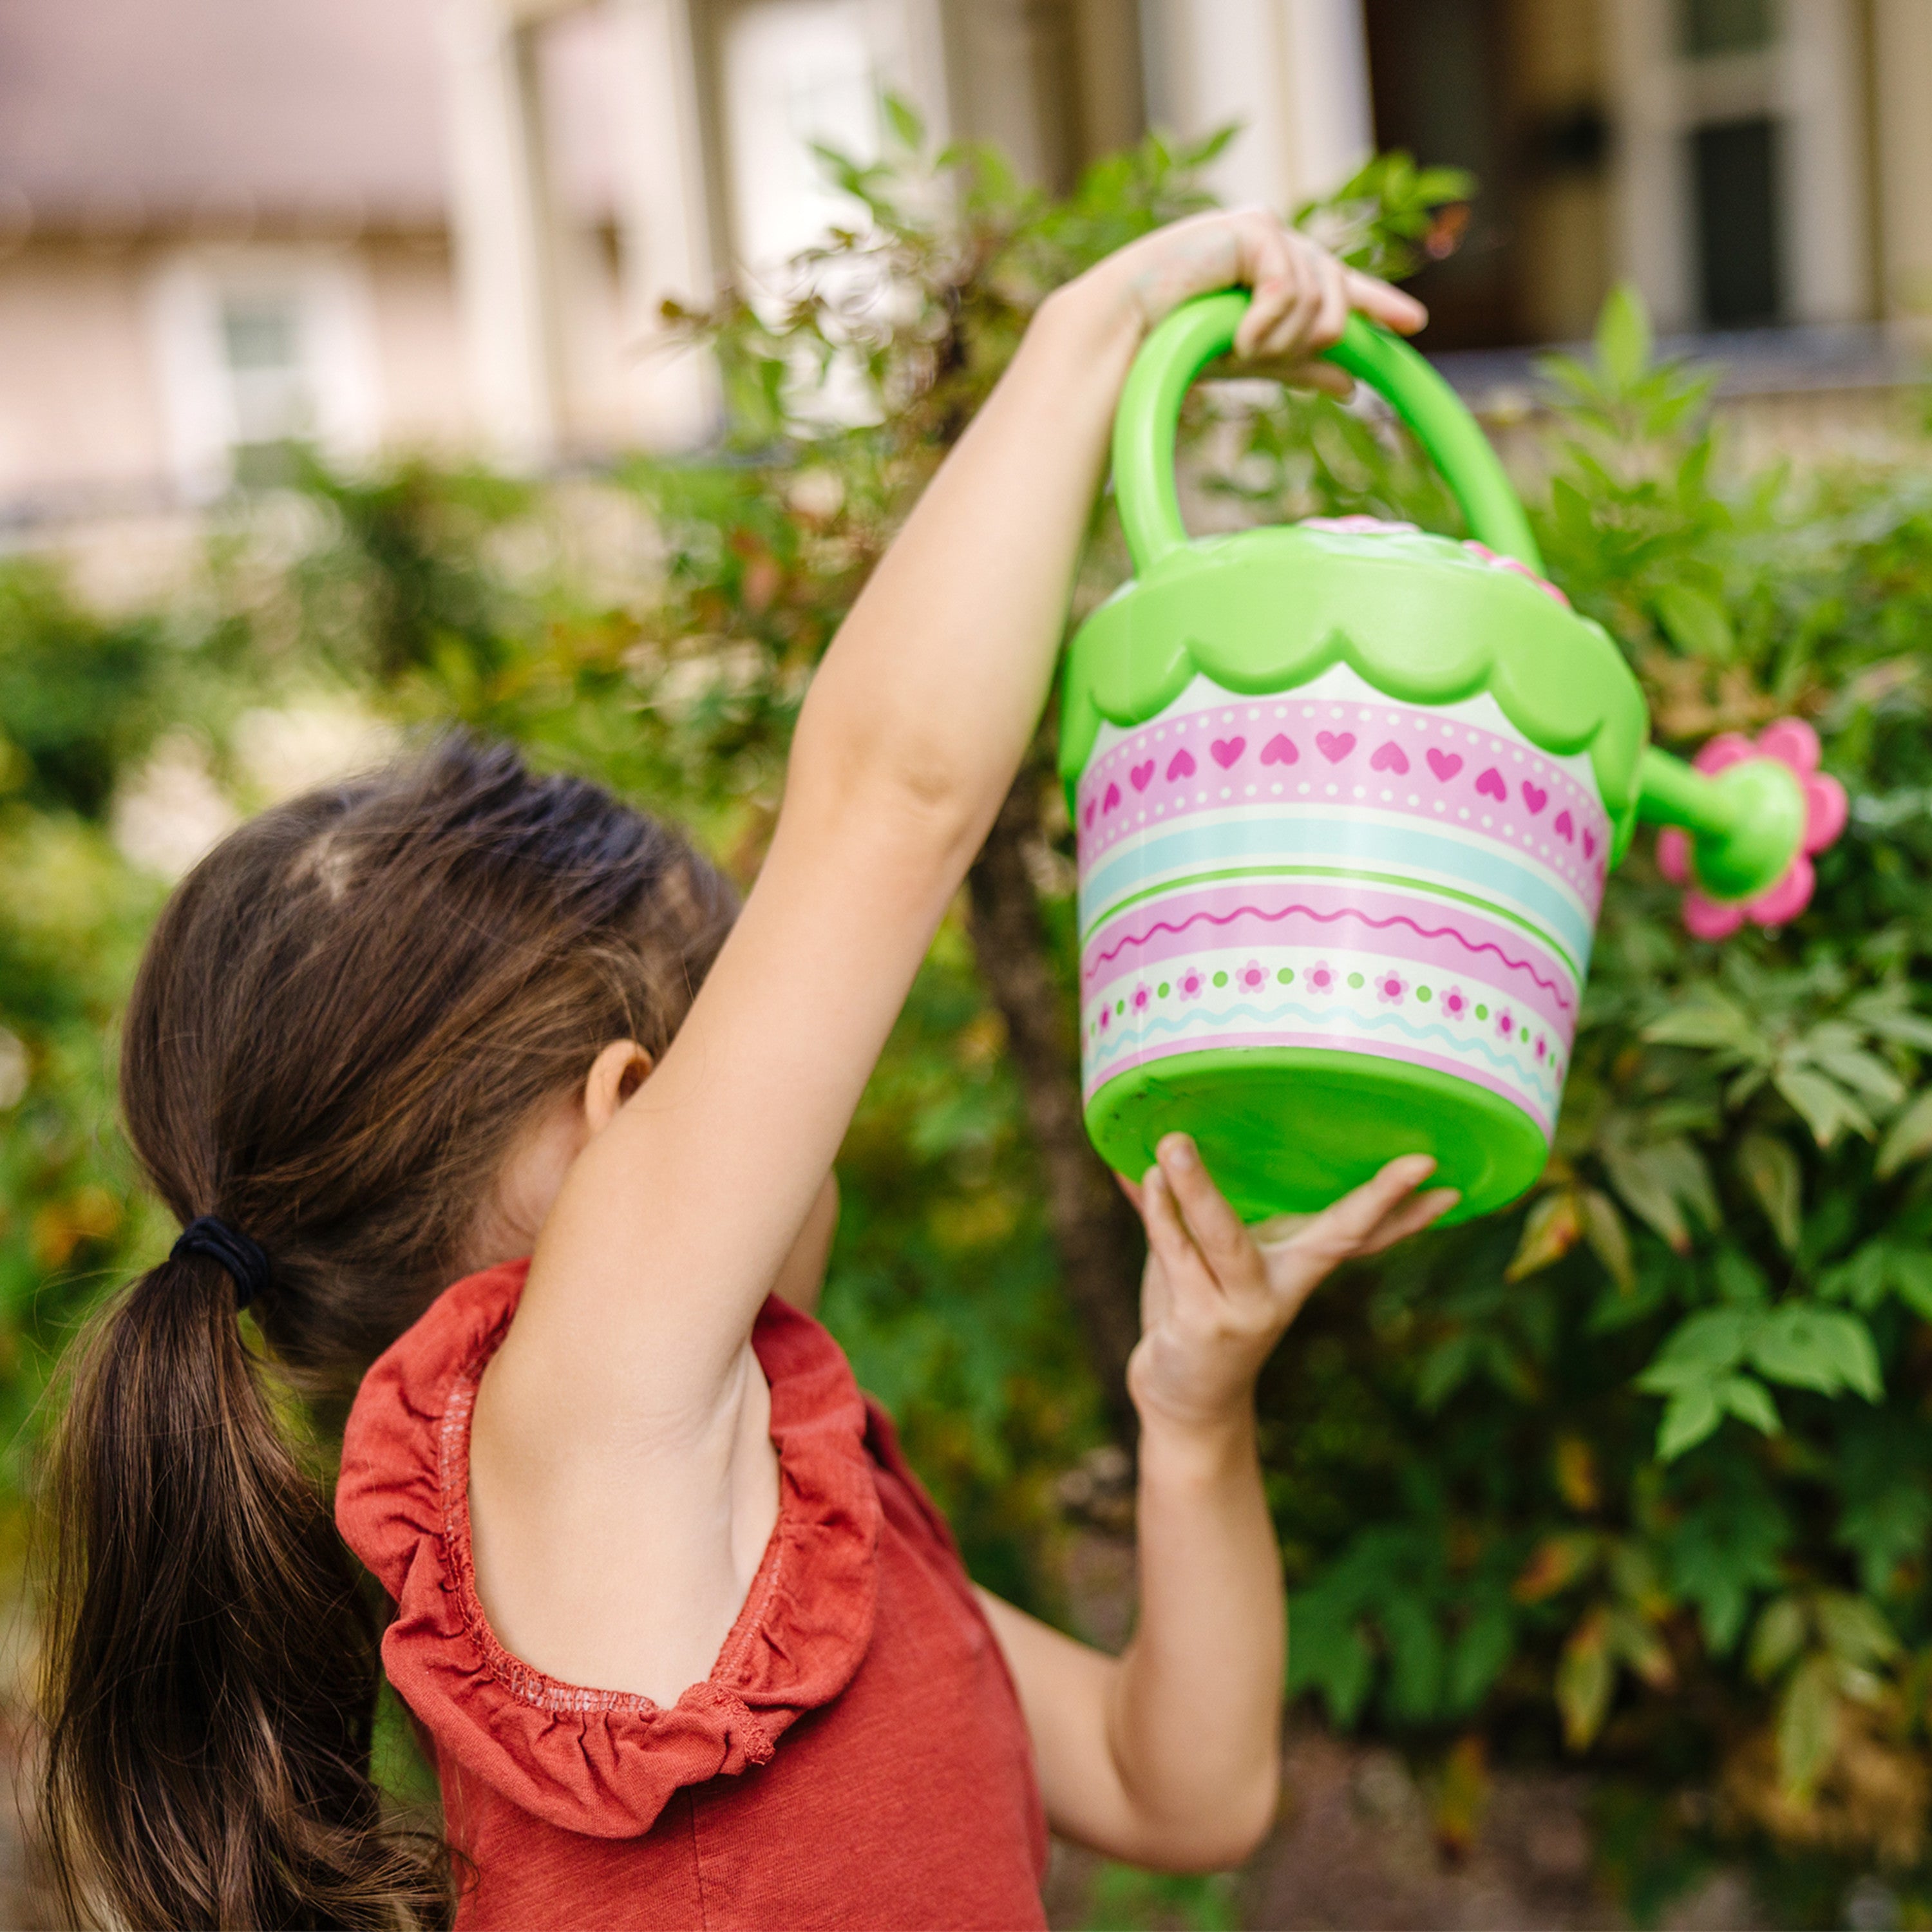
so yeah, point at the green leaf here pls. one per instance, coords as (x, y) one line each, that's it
(1585, 1676)
(1807, 1726)
(1635, 1642)
(1480, 1652)
(1688, 1417)
(1624, 341)
(1700, 1349)
(1550, 1231)
(1751, 1402)
(1659, 1181)
(1722, 1552)
(1416, 1658)
(1824, 1106)
(1909, 1271)
(1864, 1073)
(1327, 1652)
(1889, 1013)
(1771, 1170)
(1709, 1020)
(1697, 624)
(1636, 1179)
(1446, 1368)
(1821, 1348)
(906, 125)
(1909, 1136)
(1778, 1638)
(1609, 1238)
(1740, 1280)
(1863, 1279)
(1887, 1529)
(1853, 1630)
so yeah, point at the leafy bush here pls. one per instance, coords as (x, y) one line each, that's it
(1639, 1471)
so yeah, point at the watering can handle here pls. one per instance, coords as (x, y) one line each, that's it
(1190, 338)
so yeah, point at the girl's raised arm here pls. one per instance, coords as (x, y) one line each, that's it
(673, 1221)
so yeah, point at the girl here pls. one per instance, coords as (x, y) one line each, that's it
(685, 1641)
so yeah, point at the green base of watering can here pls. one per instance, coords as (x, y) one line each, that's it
(1356, 1113)
(1345, 795)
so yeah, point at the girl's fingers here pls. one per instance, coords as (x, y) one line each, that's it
(1166, 1235)
(1224, 1243)
(1278, 277)
(1331, 315)
(1387, 304)
(1354, 1217)
(1410, 1218)
(1132, 1189)
(1295, 334)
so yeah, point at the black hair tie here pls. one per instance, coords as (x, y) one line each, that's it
(209, 1235)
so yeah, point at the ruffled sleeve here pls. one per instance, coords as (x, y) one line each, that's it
(605, 1763)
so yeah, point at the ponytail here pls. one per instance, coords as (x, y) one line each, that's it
(343, 1017)
(212, 1663)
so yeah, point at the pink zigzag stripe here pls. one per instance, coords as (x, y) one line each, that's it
(1549, 986)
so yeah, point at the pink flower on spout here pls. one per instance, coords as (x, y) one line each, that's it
(1252, 978)
(1792, 743)
(1320, 978)
(1192, 983)
(1139, 1001)
(1390, 987)
(1456, 1003)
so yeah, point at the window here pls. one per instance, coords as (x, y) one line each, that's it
(1741, 165)
(272, 400)
(1708, 27)
(1734, 181)
(258, 349)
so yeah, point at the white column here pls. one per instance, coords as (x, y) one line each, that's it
(667, 247)
(1827, 237)
(1293, 73)
(500, 223)
(1331, 126)
(1902, 71)
(1653, 218)
(909, 41)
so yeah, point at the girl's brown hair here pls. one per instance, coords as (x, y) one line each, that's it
(346, 1014)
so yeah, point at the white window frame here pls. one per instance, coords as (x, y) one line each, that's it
(187, 299)
(903, 53)
(1810, 83)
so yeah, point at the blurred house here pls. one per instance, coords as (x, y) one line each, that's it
(382, 224)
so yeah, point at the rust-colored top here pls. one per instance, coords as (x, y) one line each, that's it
(857, 1757)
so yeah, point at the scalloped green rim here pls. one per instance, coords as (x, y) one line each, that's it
(1264, 610)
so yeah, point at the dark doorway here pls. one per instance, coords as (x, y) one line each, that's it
(1439, 80)
(1734, 182)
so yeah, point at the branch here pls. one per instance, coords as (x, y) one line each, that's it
(1095, 1233)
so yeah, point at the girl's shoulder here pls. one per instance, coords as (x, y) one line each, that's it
(600, 1763)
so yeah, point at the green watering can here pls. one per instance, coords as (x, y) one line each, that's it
(1345, 795)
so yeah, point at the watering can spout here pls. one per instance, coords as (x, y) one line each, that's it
(1741, 824)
